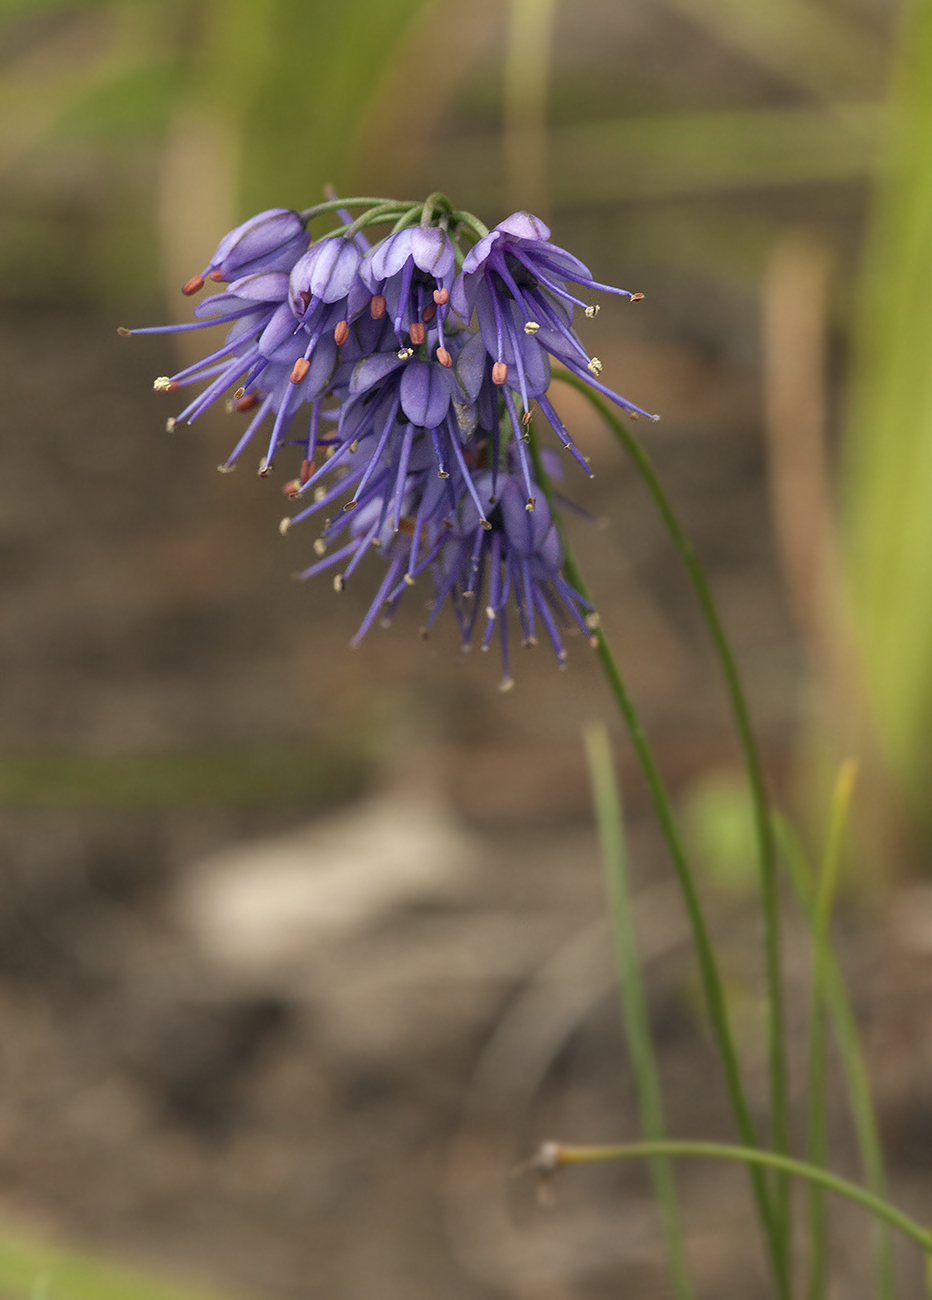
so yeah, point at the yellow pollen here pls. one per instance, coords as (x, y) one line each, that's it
(595, 365)
(284, 526)
(320, 546)
(162, 385)
(592, 311)
(531, 327)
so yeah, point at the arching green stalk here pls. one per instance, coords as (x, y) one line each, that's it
(705, 953)
(554, 1156)
(770, 908)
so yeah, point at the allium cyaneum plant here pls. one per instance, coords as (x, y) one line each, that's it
(396, 384)
(406, 430)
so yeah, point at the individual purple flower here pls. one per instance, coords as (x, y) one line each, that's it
(515, 281)
(258, 356)
(409, 275)
(272, 240)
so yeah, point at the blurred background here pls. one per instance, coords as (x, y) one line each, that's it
(301, 950)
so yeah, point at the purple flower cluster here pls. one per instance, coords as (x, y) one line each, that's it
(410, 427)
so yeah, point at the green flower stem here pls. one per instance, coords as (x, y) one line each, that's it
(705, 952)
(331, 205)
(635, 1017)
(776, 1034)
(433, 201)
(554, 1156)
(478, 228)
(376, 216)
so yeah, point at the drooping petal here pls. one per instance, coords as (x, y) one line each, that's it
(432, 251)
(388, 257)
(281, 330)
(270, 236)
(479, 252)
(525, 226)
(471, 366)
(370, 371)
(425, 395)
(262, 286)
(326, 271)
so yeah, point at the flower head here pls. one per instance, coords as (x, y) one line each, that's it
(410, 431)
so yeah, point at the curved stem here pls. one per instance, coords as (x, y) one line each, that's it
(554, 1156)
(705, 952)
(776, 1037)
(433, 201)
(331, 205)
(478, 228)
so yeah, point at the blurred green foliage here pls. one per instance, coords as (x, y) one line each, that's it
(888, 444)
(35, 1270)
(301, 776)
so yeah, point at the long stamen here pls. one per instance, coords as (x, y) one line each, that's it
(247, 436)
(388, 583)
(380, 447)
(518, 442)
(548, 621)
(402, 475)
(612, 396)
(558, 427)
